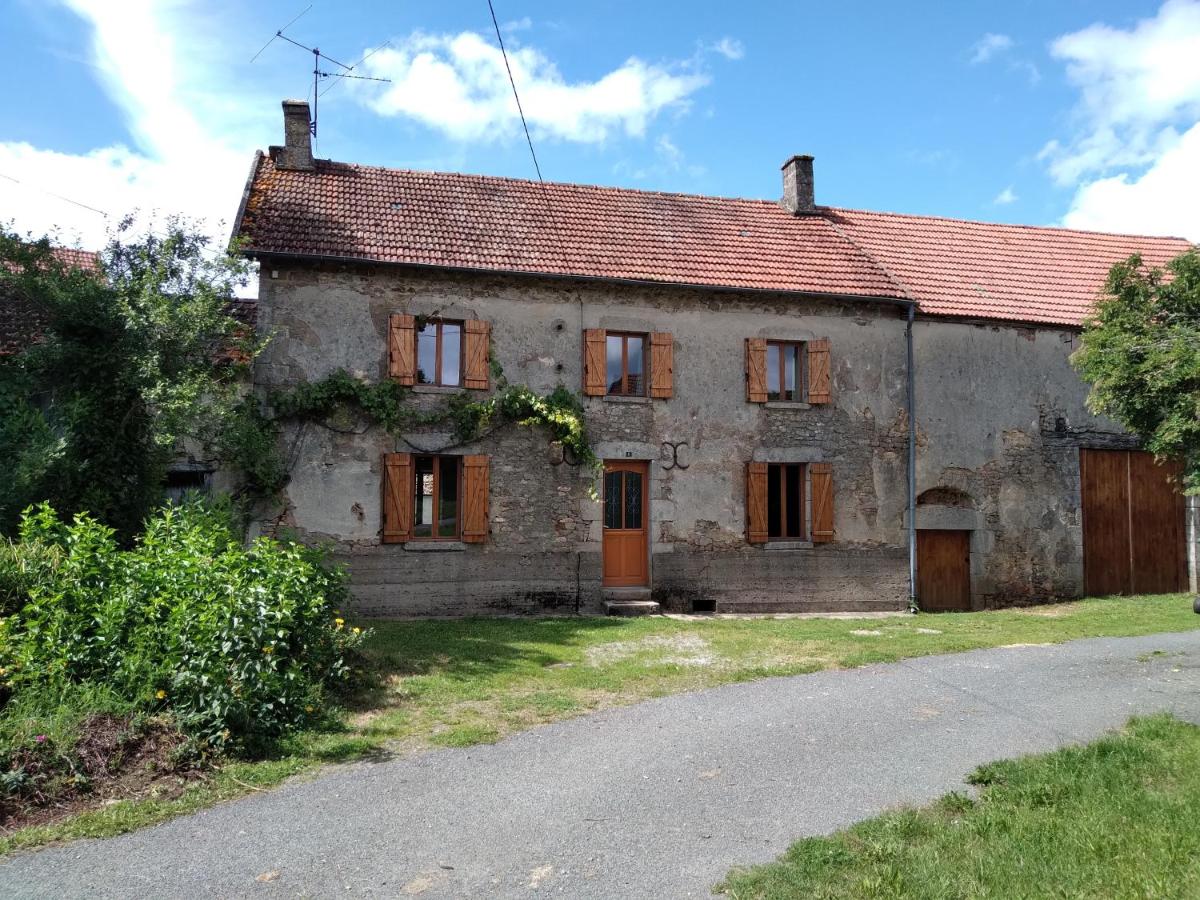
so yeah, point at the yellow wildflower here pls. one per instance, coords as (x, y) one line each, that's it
(267, 649)
(356, 630)
(160, 694)
(308, 709)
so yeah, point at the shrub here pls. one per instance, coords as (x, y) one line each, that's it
(21, 567)
(239, 644)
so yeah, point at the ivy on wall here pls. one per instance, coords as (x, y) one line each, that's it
(253, 445)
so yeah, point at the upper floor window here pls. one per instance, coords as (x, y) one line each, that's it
(439, 353)
(785, 370)
(626, 364)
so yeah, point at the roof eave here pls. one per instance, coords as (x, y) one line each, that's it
(260, 254)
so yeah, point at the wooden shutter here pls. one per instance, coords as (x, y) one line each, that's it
(818, 371)
(402, 348)
(756, 370)
(756, 502)
(398, 489)
(822, 502)
(661, 364)
(595, 364)
(475, 499)
(476, 369)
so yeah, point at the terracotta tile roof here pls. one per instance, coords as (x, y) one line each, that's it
(480, 222)
(1018, 272)
(950, 267)
(21, 320)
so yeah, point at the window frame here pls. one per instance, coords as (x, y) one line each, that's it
(462, 343)
(644, 337)
(437, 498)
(800, 393)
(805, 531)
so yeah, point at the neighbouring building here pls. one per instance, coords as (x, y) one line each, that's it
(745, 367)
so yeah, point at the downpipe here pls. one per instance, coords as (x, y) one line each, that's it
(913, 601)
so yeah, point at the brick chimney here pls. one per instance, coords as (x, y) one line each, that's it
(296, 152)
(798, 185)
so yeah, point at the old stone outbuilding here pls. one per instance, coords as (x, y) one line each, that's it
(747, 370)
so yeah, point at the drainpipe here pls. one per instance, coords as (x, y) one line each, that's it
(912, 469)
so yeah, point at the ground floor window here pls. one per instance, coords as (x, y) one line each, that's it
(786, 509)
(435, 506)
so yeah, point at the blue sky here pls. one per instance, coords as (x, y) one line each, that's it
(1079, 112)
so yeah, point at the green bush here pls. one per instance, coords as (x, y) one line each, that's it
(239, 644)
(21, 567)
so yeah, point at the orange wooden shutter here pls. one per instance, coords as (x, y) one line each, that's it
(398, 488)
(595, 365)
(476, 369)
(661, 364)
(475, 499)
(756, 502)
(818, 371)
(822, 502)
(756, 370)
(402, 348)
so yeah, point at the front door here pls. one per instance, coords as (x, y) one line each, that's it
(625, 522)
(944, 570)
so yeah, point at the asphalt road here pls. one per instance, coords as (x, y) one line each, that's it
(656, 800)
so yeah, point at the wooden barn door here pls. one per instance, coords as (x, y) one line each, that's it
(943, 570)
(1133, 524)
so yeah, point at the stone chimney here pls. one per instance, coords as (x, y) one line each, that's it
(296, 152)
(798, 185)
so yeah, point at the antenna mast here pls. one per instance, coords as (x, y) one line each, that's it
(317, 72)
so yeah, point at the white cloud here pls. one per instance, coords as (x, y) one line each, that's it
(457, 84)
(730, 48)
(1135, 153)
(188, 154)
(989, 46)
(1005, 197)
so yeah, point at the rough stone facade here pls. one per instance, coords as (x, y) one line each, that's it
(1000, 419)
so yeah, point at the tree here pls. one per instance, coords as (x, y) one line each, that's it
(118, 367)
(1141, 355)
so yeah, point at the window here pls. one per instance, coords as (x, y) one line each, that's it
(785, 502)
(439, 353)
(626, 364)
(785, 370)
(435, 504)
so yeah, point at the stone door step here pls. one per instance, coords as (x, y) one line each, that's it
(631, 608)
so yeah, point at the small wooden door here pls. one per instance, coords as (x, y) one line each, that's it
(625, 551)
(944, 570)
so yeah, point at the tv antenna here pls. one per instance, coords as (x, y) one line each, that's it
(318, 73)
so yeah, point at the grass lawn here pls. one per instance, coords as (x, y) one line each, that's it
(462, 682)
(1116, 818)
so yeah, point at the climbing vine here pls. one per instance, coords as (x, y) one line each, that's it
(252, 442)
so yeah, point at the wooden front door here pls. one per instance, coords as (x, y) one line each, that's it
(625, 522)
(943, 570)
(1133, 524)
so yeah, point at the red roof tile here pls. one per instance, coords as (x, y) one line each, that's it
(22, 320)
(981, 270)
(458, 221)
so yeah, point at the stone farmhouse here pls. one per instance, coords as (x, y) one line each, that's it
(799, 407)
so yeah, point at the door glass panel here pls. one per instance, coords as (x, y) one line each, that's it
(774, 502)
(612, 499)
(427, 354)
(633, 499)
(447, 524)
(451, 351)
(423, 505)
(613, 346)
(773, 371)
(636, 373)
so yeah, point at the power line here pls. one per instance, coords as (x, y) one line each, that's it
(529, 140)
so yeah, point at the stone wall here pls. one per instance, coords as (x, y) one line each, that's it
(990, 400)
